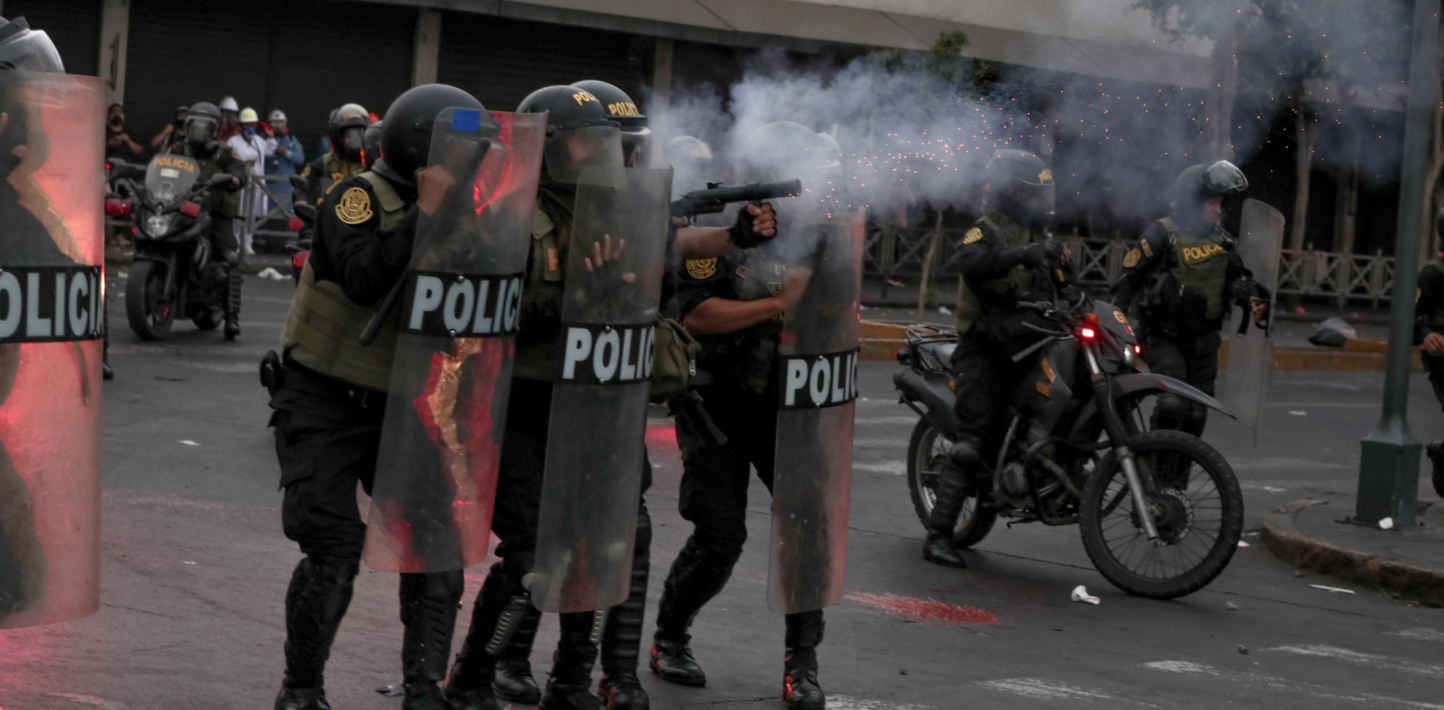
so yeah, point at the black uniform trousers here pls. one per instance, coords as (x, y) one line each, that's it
(714, 499)
(1192, 359)
(984, 378)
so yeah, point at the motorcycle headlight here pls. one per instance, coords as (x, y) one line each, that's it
(158, 224)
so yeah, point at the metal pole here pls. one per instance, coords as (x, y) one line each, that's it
(1389, 460)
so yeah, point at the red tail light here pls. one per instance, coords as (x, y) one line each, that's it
(190, 209)
(1138, 349)
(298, 260)
(1088, 333)
(116, 207)
(295, 224)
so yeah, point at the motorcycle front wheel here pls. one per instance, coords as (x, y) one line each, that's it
(927, 451)
(150, 310)
(1197, 508)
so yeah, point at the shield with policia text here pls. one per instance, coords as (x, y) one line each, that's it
(441, 441)
(52, 303)
(1260, 239)
(816, 368)
(595, 440)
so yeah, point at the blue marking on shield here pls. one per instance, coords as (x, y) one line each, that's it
(466, 120)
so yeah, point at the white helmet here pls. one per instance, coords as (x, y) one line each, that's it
(277, 115)
(229, 104)
(248, 115)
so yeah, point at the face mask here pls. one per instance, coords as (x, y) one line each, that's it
(250, 130)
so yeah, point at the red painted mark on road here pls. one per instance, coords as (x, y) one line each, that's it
(926, 609)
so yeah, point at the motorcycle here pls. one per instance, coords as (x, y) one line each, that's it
(1161, 512)
(175, 274)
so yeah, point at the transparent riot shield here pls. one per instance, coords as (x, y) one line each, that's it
(592, 481)
(816, 371)
(441, 441)
(52, 302)
(1261, 234)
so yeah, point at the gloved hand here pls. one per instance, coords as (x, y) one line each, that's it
(1038, 252)
(756, 224)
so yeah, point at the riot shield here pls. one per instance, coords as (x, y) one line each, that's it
(436, 471)
(816, 370)
(593, 476)
(1261, 234)
(51, 318)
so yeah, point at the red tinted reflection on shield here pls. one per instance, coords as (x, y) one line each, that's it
(51, 207)
(441, 441)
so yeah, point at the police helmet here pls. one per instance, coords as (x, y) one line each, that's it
(783, 149)
(1020, 186)
(1199, 183)
(688, 150)
(346, 128)
(580, 134)
(203, 122)
(371, 145)
(636, 136)
(229, 104)
(407, 127)
(26, 49)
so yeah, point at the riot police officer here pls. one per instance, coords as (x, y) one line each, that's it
(734, 305)
(346, 130)
(371, 145)
(1429, 336)
(1180, 282)
(329, 393)
(1004, 260)
(202, 127)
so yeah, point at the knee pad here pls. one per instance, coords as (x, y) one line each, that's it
(1195, 418)
(233, 258)
(1168, 412)
(966, 453)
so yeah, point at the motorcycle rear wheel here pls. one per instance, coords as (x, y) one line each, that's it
(1200, 522)
(926, 452)
(150, 311)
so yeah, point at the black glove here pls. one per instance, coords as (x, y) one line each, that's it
(741, 233)
(1038, 252)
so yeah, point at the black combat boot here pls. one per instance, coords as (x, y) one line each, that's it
(233, 303)
(429, 603)
(471, 682)
(316, 601)
(1435, 449)
(698, 574)
(570, 684)
(514, 680)
(622, 639)
(800, 689)
(951, 489)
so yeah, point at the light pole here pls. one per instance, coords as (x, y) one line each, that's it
(1389, 461)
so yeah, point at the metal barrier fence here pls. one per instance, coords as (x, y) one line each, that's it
(276, 212)
(1342, 278)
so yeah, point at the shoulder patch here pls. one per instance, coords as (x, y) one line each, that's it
(702, 268)
(1147, 250)
(1132, 258)
(354, 207)
(973, 235)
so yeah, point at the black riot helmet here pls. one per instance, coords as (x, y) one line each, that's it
(371, 145)
(580, 134)
(26, 49)
(1020, 186)
(203, 121)
(407, 127)
(1203, 182)
(346, 129)
(636, 136)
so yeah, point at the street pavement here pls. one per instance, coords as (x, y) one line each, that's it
(195, 567)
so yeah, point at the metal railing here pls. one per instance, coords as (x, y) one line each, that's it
(276, 210)
(1343, 278)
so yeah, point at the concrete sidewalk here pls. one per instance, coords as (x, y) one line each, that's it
(1406, 563)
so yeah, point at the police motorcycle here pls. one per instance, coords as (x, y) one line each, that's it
(1161, 511)
(174, 273)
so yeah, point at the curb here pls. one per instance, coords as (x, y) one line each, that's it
(1399, 579)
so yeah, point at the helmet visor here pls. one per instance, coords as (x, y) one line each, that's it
(569, 152)
(1223, 178)
(200, 129)
(31, 51)
(351, 141)
(635, 147)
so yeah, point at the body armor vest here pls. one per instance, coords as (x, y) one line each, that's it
(1200, 263)
(1016, 284)
(323, 330)
(551, 237)
(333, 170)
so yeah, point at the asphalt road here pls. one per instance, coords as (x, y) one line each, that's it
(195, 569)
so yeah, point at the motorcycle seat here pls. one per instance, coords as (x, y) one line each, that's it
(937, 356)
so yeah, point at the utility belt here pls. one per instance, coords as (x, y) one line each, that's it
(277, 375)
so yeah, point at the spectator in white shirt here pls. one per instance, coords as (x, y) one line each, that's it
(252, 148)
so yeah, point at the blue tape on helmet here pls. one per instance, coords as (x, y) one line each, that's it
(466, 120)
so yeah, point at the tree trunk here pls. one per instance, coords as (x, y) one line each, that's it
(1222, 94)
(933, 239)
(1303, 165)
(1429, 240)
(1346, 219)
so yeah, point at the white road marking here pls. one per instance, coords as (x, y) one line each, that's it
(90, 700)
(1419, 634)
(1371, 660)
(879, 443)
(1280, 684)
(1039, 689)
(845, 702)
(896, 468)
(1281, 462)
(913, 419)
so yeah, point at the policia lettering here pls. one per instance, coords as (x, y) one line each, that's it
(461, 306)
(49, 304)
(607, 355)
(817, 381)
